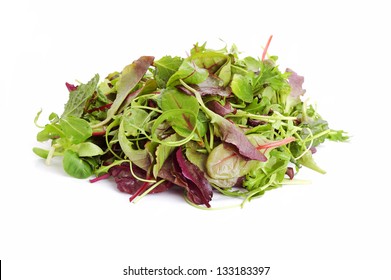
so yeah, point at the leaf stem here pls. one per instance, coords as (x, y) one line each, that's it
(266, 48)
(309, 146)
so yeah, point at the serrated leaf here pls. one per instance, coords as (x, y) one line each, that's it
(79, 97)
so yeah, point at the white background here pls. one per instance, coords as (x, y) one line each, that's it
(56, 227)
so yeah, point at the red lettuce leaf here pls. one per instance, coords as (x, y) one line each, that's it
(296, 83)
(219, 109)
(184, 174)
(70, 87)
(232, 134)
(198, 188)
(127, 183)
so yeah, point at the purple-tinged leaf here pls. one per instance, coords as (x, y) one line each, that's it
(199, 190)
(128, 80)
(296, 83)
(127, 183)
(290, 172)
(70, 87)
(219, 109)
(232, 134)
(213, 86)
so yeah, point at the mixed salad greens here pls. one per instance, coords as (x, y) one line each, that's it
(210, 122)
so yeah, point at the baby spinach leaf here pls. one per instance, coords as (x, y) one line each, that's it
(189, 72)
(183, 121)
(174, 99)
(210, 60)
(76, 130)
(135, 120)
(165, 68)
(41, 152)
(224, 73)
(241, 88)
(87, 149)
(75, 166)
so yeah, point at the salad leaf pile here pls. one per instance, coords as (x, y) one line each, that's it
(209, 122)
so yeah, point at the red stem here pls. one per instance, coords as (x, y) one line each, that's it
(101, 108)
(140, 190)
(101, 177)
(99, 132)
(276, 144)
(266, 47)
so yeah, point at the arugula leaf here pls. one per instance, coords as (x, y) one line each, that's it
(337, 135)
